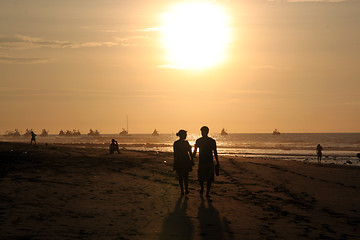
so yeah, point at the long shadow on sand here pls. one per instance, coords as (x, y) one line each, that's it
(177, 225)
(211, 225)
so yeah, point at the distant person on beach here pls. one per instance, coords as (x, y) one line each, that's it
(319, 152)
(207, 149)
(33, 135)
(114, 147)
(182, 160)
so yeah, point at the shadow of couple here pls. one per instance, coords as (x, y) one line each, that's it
(178, 225)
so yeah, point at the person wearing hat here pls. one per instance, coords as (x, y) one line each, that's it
(207, 152)
(182, 161)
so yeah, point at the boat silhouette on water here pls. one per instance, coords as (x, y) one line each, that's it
(68, 133)
(155, 133)
(93, 133)
(27, 133)
(223, 132)
(124, 133)
(276, 132)
(14, 133)
(44, 133)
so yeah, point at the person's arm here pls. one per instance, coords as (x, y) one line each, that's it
(174, 157)
(216, 154)
(190, 153)
(195, 150)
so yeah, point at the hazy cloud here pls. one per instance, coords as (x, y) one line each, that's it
(169, 66)
(16, 60)
(153, 29)
(20, 42)
(69, 92)
(131, 41)
(268, 67)
(296, 1)
(141, 93)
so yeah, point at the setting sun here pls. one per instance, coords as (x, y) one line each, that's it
(195, 35)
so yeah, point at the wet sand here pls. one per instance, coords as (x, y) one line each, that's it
(82, 192)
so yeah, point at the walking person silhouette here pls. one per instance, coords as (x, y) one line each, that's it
(33, 135)
(207, 151)
(319, 152)
(182, 160)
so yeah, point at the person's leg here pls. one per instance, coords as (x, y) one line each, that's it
(181, 180)
(201, 187)
(186, 183)
(208, 186)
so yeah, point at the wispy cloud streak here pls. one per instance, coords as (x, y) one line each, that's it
(301, 1)
(267, 67)
(17, 60)
(21, 42)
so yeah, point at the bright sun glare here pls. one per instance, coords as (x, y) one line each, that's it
(195, 35)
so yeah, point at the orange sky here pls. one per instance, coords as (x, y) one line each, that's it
(291, 65)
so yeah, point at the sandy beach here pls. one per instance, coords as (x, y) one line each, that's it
(82, 192)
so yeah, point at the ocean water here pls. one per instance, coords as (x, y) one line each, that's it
(338, 148)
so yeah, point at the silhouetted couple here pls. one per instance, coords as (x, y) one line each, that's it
(184, 160)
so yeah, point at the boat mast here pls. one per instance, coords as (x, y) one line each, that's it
(127, 123)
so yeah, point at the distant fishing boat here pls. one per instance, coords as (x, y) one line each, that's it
(276, 132)
(44, 133)
(155, 133)
(94, 133)
(72, 133)
(61, 133)
(27, 133)
(223, 132)
(14, 133)
(125, 132)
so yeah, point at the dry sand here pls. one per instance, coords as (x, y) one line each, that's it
(82, 192)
